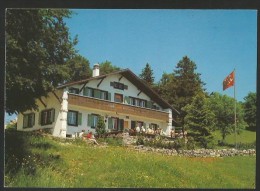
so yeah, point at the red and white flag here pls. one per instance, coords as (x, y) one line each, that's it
(229, 81)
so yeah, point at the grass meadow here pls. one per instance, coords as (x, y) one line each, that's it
(34, 160)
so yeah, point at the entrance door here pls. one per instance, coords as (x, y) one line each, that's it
(126, 125)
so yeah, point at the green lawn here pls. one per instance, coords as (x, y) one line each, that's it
(38, 161)
(245, 136)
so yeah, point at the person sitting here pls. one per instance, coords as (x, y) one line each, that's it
(81, 133)
(137, 129)
(91, 138)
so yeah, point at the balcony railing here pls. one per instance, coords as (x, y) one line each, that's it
(119, 108)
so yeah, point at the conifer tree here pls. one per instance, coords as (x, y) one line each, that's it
(188, 85)
(101, 127)
(147, 75)
(200, 120)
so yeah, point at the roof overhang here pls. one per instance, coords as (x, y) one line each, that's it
(129, 75)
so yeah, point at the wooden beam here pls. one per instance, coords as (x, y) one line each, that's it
(120, 78)
(83, 87)
(56, 96)
(139, 93)
(100, 81)
(42, 102)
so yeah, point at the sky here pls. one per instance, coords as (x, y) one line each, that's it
(218, 41)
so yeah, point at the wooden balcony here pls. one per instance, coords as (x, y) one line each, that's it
(119, 108)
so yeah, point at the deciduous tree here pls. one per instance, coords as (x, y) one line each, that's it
(38, 46)
(107, 67)
(79, 68)
(249, 106)
(223, 108)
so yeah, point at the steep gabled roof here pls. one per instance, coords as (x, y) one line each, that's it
(129, 75)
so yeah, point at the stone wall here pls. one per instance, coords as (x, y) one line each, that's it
(131, 140)
(198, 152)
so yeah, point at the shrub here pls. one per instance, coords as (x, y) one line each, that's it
(190, 144)
(101, 127)
(140, 140)
(179, 144)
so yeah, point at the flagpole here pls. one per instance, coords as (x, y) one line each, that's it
(235, 117)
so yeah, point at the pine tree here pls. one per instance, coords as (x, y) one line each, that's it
(188, 85)
(147, 75)
(200, 120)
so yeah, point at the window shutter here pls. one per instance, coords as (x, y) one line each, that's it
(79, 118)
(133, 124)
(125, 87)
(110, 124)
(52, 115)
(109, 96)
(111, 83)
(25, 120)
(85, 91)
(121, 124)
(39, 120)
(89, 120)
(127, 99)
(96, 93)
(149, 104)
(33, 119)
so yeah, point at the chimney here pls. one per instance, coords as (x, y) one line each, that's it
(95, 70)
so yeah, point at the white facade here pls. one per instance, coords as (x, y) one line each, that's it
(61, 105)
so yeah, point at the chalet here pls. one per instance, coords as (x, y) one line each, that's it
(121, 98)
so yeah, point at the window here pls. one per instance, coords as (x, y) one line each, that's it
(142, 103)
(118, 85)
(47, 116)
(28, 120)
(115, 123)
(118, 98)
(92, 120)
(88, 92)
(137, 102)
(74, 90)
(100, 94)
(154, 126)
(103, 95)
(72, 118)
(139, 124)
(134, 124)
(112, 123)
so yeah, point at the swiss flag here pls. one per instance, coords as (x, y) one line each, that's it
(229, 81)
